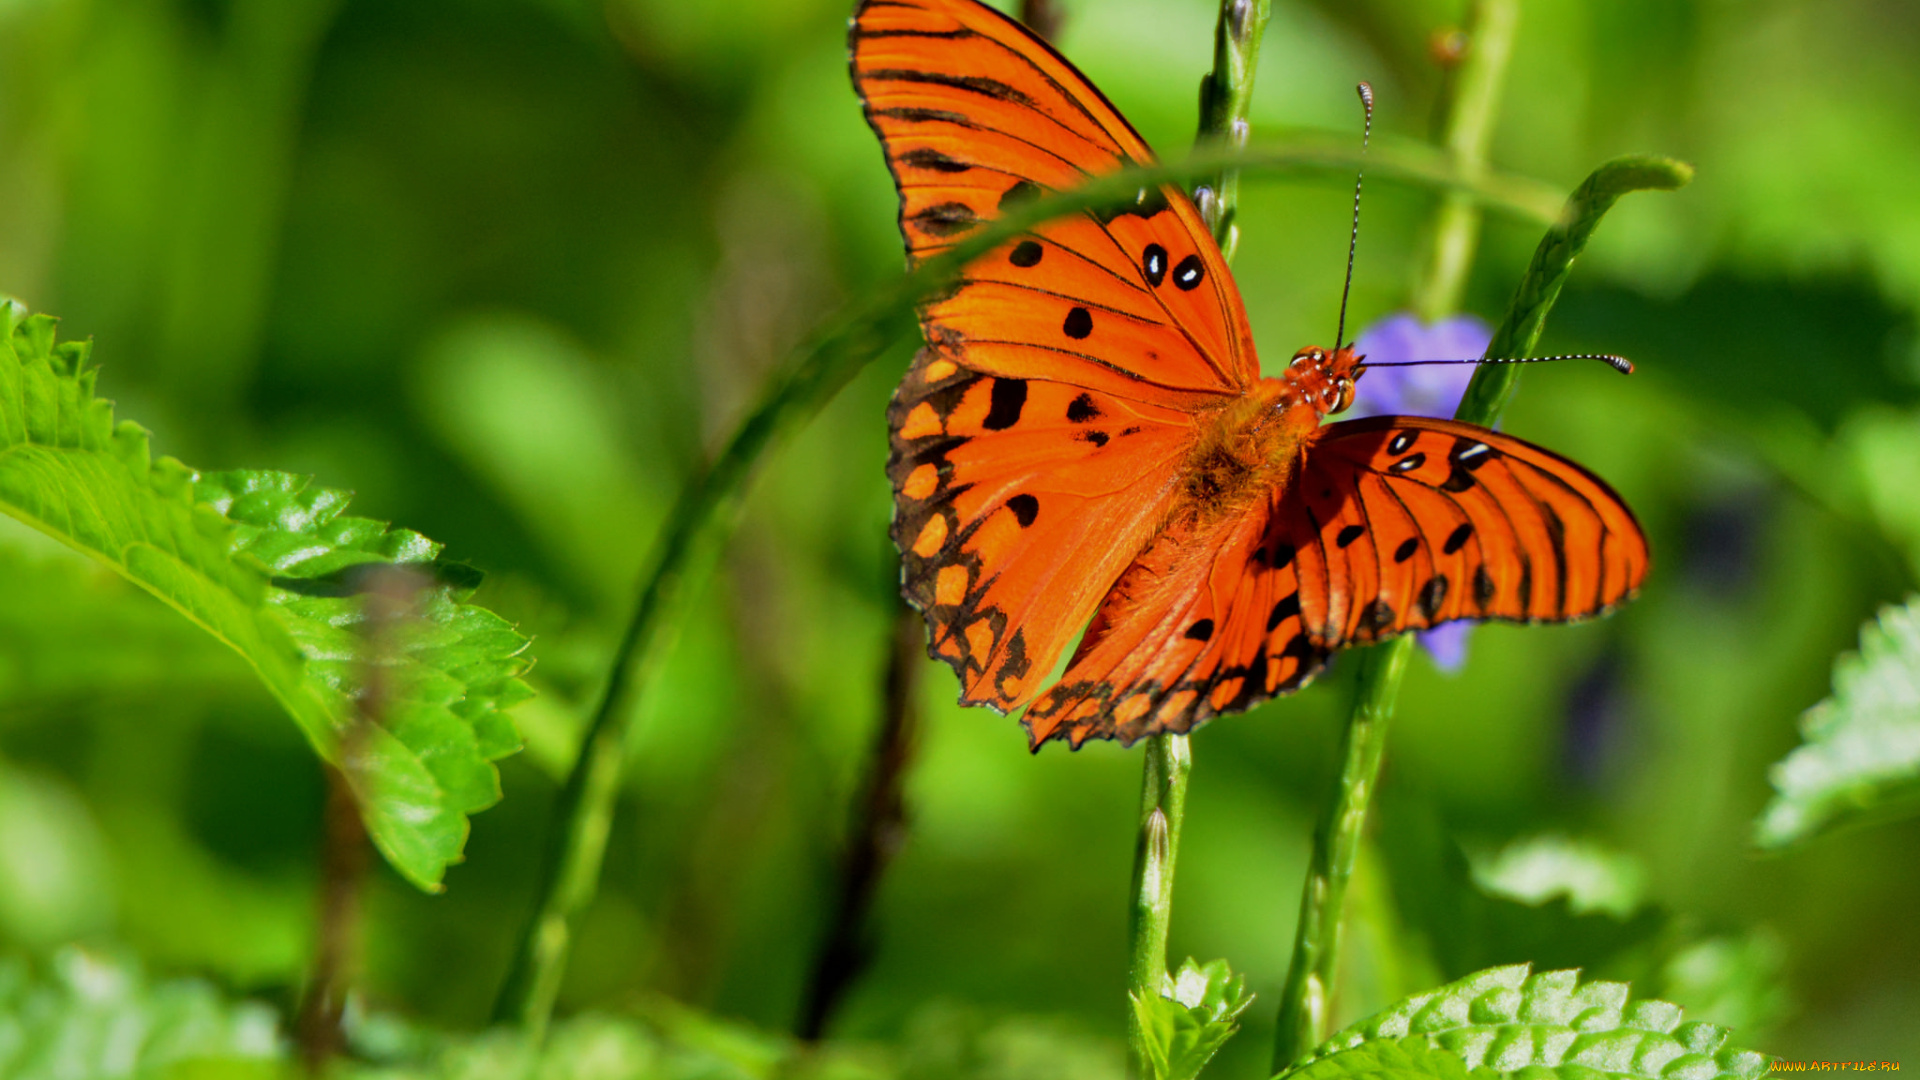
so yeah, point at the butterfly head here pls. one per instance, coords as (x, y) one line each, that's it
(1324, 378)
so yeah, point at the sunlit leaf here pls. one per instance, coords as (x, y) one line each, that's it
(273, 567)
(1860, 755)
(1182, 1030)
(1504, 1021)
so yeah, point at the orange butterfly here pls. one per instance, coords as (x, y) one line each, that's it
(1087, 436)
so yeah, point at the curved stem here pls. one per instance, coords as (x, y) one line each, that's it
(1306, 999)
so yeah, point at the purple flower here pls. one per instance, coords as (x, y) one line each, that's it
(1417, 391)
(1422, 391)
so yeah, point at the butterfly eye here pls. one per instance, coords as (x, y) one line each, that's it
(1343, 387)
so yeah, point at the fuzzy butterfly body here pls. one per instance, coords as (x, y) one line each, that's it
(1086, 440)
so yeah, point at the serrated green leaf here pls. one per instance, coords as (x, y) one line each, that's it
(1411, 1058)
(270, 564)
(1860, 759)
(1184, 1029)
(1547, 1026)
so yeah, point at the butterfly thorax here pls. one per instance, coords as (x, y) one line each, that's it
(1250, 446)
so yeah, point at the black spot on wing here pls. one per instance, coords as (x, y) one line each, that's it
(927, 159)
(1009, 398)
(1432, 595)
(1282, 555)
(1153, 264)
(1282, 611)
(1147, 203)
(1201, 631)
(1082, 409)
(1025, 509)
(1188, 274)
(1483, 588)
(1406, 549)
(1300, 648)
(1557, 536)
(1349, 534)
(944, 219)
(1024, 191)
(1457, 539)
(908, 115)
(1377, 617)
(977, 84)
(1026, 254)
(1078, 324)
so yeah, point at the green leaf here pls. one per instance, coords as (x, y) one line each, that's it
(1537, 869)
(88, 1015)
(1182, 1030)
(1504, 1021)
(270, 565)
(1860, 759)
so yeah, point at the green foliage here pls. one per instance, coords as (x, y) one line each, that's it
(270, 565)
(1181, 1030)
(1504, 1021)
(1536, 869)
(91, 1016)
(1860, 759)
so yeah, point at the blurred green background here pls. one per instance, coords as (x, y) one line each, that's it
(509, 268)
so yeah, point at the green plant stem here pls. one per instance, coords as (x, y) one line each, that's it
(1306, 998)
(583, 813)
(1226, 96)
(1308, 994)
(1474, 103)
(1163, 806)
(1226, 99)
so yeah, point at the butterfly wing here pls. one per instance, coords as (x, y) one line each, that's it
(1035, 441)
(1016, 503)
(974, 111)
(1389, 524)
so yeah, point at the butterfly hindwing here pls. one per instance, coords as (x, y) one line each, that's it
(1199, 625)
(1434, 520)
(1389, 524)
(975, 113)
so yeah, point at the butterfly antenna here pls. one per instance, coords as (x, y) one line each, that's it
(1618, 363)
(1353, 239)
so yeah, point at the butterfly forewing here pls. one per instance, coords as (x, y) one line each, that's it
(976, 114)
(1036, 439)
(1016, 503)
